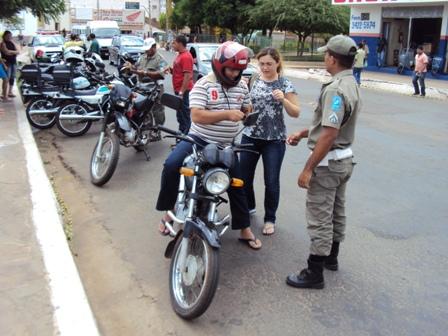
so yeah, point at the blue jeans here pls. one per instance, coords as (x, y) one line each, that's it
(170, 183)
(357, 75)
(380, 59)
(11, 73)
(272, 153)
(420, 79)
(183, 116)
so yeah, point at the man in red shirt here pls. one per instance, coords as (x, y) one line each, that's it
(421, 65)
(182, 72)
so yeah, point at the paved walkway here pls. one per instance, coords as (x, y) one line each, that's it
(40, 289)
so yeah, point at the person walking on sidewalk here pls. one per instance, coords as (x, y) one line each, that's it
(9, 51)
(366, 49)
(182, 72)
(330, 164)
(381, 51)
(421, 67)
(3, 78)
(270, 93)
(359, 63)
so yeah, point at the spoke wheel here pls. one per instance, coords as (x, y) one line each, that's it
(73, 127)
(38, 120)
(102, 167)
(192, 289)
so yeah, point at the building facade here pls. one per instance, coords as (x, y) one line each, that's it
(404, 24)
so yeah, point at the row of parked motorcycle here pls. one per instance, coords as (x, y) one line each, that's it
(73, 90)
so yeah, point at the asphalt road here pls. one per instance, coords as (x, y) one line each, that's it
(393, 264)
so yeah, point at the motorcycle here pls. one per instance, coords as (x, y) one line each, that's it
(128, 121)
(194, 251)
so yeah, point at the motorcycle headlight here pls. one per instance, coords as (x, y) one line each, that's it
(216, 181)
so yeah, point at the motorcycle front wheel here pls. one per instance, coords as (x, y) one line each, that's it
(193, 288)
(103, 166)
(36, 113)
(69, 119)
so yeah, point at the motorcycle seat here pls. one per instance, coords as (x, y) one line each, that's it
(47, 77)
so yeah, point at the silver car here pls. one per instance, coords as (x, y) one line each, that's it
(127, 46)
(46, 46)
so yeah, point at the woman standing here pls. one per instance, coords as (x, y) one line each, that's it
(270, 94)
(9, 51)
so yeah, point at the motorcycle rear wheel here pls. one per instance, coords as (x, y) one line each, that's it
(73, 128)
(40, 121)
(192, 291)
(102, 168)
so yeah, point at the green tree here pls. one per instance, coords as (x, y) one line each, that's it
(188, 13)
(43, 9)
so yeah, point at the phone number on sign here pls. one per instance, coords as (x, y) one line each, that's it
(363, 24)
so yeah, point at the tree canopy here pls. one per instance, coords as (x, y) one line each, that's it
(43, 9)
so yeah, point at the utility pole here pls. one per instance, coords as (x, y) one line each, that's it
(168, 13)
(150, 19)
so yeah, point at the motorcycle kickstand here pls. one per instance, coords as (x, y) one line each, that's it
(148, 157)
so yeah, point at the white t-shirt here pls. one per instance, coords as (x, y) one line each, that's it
(208, 94)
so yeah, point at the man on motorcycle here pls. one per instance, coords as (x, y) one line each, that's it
(218, 102)
(151, 66)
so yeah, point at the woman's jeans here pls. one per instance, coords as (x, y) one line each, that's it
(357, 75)
(272, 153)
(170, 183)
(12, 68)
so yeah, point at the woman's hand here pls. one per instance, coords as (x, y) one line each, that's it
(278, 95)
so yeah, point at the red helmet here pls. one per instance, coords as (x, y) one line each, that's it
(230, 55)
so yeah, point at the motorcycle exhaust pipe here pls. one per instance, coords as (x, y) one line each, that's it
(49, 111)
(79, 117)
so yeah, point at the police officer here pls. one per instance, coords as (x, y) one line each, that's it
(151, 66)
(330, 164)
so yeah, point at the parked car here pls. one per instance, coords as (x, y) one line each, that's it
(45, 45)
(127, 46)
(202, 54)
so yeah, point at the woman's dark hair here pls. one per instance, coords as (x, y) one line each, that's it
(345, 61)
(181, 39)
(274, 54)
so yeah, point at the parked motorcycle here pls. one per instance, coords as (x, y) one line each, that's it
(194, 252)
(128, 121)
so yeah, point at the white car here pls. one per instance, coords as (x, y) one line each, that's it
(46, 46)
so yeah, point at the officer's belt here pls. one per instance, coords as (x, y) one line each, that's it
(336, 154)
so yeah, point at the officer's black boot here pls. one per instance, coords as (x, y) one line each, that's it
(331, 262)
(311, 277)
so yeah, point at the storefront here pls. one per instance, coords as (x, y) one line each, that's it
(404, 25)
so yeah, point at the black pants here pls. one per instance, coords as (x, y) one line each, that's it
(170, 182)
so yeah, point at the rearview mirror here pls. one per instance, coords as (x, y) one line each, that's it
(171, 101)
(251, 119)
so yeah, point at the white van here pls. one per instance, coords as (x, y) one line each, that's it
(104, 32)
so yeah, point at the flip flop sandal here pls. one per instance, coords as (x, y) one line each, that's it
(165, 231)
(269, 229)
(251, 242)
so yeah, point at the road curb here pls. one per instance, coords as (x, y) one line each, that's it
(72, 314)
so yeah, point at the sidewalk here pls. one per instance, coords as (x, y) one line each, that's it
(41, 293)
(402, 84)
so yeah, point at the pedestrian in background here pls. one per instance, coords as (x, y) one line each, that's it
(421, 67)
(270, 94)
(94, 45)
(182, 72)
(366, 49)
(4, 79)
(9, 51)
(359, 63)
(330, 163)
(381, 51)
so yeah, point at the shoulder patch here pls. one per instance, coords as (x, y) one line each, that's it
(336, 103)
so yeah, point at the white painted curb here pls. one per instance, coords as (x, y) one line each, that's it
(72, 314)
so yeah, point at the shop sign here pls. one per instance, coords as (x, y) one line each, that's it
(362, 22)
(133, 17)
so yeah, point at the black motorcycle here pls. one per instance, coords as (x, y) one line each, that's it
(128, 121)
(194, 251)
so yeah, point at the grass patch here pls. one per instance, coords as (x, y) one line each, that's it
(65, 213)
